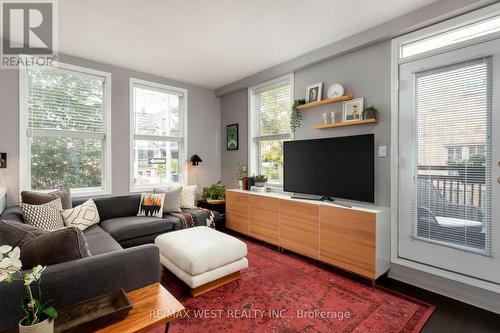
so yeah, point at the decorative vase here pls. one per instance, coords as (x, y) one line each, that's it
(260, 184)
(46, 326)
(325, 118)
(332, 116)
(240, 183)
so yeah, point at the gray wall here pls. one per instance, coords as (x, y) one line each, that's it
(365, 73)
(203, 126)
(234, 110)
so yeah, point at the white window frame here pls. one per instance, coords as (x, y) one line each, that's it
(24, 153)
(253, 142)
(182, 141)
(463, 20)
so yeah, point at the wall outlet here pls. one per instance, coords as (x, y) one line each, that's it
(382, 151)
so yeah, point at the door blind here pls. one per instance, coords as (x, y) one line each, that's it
(452, 108)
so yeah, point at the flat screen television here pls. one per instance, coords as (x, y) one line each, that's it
(341, 167)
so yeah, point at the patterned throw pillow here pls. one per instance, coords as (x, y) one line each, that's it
(47, 216)
(82, 216)
(188, 196)
(151, 204)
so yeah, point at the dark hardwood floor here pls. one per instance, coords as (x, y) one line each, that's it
(450, 315)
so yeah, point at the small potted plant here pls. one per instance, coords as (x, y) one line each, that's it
(214, 193)
(260, 180)
(39, 316)
(370, 112)
(242, 173)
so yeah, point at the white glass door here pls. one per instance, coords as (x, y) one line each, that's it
(449, 142)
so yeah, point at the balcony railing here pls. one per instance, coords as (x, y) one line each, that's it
(460, 185)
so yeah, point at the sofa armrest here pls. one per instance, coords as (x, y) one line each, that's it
(79, 280)
(13, 214)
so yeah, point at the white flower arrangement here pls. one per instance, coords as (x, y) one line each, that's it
(10, 264)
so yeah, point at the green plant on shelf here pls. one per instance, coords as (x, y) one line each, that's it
(369, 112)
(214, 191)
(296, 115)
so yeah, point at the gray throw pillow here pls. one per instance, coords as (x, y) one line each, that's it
(172, 199)
(38, 198)
(47, 216)
(40, 247)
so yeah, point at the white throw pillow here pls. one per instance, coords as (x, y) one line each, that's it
(188, 196)
(151, 204)
(82, 216)
(172, 199)
(46, 216)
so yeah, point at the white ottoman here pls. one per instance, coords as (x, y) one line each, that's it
(202, 257)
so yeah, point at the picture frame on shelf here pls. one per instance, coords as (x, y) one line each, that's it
(353, 110)
(313, 92)
(232, 137)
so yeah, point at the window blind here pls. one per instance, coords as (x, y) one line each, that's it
(157, 112)
(269, 119)
(65, 117)
(271, 109)
(64, 100)
(452, 107)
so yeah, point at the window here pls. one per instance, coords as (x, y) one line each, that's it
(65, 133)
(451, 37)
(158, 123)
(269, 114)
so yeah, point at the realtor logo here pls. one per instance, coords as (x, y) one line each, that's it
(28, 33)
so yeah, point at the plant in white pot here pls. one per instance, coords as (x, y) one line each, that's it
(39, 317)
(260, 180)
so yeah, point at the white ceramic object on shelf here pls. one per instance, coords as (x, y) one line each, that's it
(332, 116)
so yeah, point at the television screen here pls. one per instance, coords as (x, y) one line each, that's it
(341, 167)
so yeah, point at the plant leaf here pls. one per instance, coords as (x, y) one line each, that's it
(51, 312)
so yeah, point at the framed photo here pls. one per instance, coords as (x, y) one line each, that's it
(353, 110)
(232, 137)
(313, 92)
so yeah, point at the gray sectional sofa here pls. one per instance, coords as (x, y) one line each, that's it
(122, 257)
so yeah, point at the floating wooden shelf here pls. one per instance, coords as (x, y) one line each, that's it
(344, 98)
(350, 123)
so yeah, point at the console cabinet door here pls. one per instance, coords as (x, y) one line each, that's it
(237, 211)
(347, 239)
(299, 227)
(264, 219)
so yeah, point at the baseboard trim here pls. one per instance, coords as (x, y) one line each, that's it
(475, 296)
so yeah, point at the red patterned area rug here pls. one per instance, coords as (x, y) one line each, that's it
(284, 293)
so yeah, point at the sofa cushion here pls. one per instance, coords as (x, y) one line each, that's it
(47, 216)
(130, 227)
(82, 216)
(172, 199)
(100, 241)
(113, 207)
(40, 198)
(40, 247)
(151, 204)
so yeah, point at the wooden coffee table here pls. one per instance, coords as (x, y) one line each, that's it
(153, 306)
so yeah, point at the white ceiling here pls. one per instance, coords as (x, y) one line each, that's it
(212, 43)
